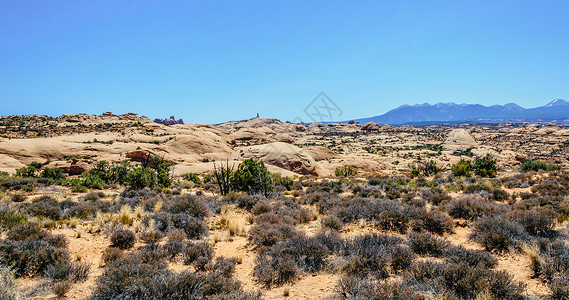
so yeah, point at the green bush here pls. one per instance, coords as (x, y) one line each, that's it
(462, 168)
(534, 165)
(252, 177)
(27, 171)
(193, 177)
(52, 173)
(140, 178)
(10, 218)
(346, 171)
(485, 166)
(424, 168)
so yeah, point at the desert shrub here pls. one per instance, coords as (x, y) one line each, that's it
(500, 195)
(193, 227)
(150, 253)
(273, 218)
(425, 272)
(308, 253)
(151, 235)
(551, 258)
(485, 166)
(433, 221)
(550, 188)
(345, 171)
(467, 282)
(111, 254)
(472, 258)
(189, 204)
(261, 207)
(267, 234)
(559, 287)
(435, 196)
(198, 253)
(536, 221)
(331, 239)
(10, 218)
(368, 255)
(497, 234)
(477, 189)
(130, 279)
(223, 265)
(427, 244)
(462, 168)
(43, 208)
(247, 202)
(252, 177)
(275, 271)
(18, 198)
(354, 288)
(61, 288)
(30, 257)
(8, 286)
(534, 165)
(287, 208)
(332, 222)
(175, 243)
(123, 239)
(471, 208)
(424, 168)
(32, 231)
(402, 257)
(83, 210)
(284, 261)
(73, 272)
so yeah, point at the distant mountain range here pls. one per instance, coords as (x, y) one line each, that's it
(556, 111)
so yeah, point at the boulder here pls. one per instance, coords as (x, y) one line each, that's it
(139, 155)
(371, 126)
(77, 168)
(282, 155)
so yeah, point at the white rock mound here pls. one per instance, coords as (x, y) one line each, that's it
(282, 155)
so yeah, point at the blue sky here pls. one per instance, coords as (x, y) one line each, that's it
(214, 61)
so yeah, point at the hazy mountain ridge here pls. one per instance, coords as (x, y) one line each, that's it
(556, 111)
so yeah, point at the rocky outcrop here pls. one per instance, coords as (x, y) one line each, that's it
(170, 121)
(282, 155)
(77, 168)
(460, 137)
(371, 126)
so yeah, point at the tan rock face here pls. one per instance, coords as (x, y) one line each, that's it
(460, 137)
(282, 155)
(139, 155)
(371, 126)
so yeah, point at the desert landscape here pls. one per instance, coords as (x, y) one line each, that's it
(121, 207)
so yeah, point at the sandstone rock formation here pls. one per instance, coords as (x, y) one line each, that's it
(371, 126)
(282, 155)
(460, 137)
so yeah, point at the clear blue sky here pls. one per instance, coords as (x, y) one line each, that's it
(213, 61)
